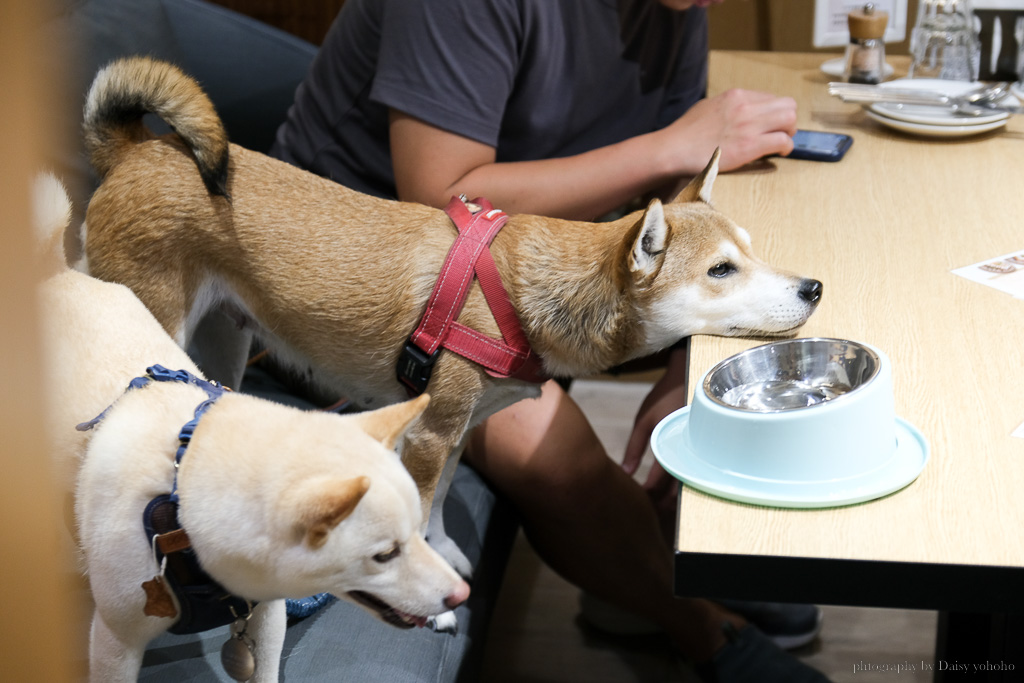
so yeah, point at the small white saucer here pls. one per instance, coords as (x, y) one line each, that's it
(935, 115)
(671, 445)
(834, 68)
(934, 131)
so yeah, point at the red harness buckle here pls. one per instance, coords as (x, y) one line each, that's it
(509, 356)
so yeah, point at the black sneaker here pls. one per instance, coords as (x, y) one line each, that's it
(788, 625)
(750, 657)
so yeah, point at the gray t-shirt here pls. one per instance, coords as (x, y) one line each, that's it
(535, 79)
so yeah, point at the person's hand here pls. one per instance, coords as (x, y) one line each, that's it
(667, 396)
(663, 491)
(745, 124)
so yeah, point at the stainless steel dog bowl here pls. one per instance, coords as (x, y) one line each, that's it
(794, 423)
(791, 374)
(797, 410)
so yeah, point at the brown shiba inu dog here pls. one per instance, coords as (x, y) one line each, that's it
(276, 502)
(337, 280)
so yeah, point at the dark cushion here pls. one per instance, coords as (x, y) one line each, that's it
(249, 70)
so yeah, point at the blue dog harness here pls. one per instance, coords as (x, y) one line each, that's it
(204, 603)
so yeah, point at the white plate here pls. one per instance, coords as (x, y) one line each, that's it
(834, 68)
(671, 445)
(935, 116)
(933, 130)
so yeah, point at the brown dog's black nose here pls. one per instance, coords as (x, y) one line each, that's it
(810, 291)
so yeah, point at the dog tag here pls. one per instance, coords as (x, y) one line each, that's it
(158, 600)
(237, 658)
(237, 655)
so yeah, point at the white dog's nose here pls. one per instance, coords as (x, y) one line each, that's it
(457, 596)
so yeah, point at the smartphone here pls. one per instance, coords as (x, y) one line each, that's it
(820, 146)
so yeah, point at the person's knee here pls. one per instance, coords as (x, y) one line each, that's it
(544, 446)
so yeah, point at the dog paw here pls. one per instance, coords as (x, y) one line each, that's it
(447, 549)
(446, 622)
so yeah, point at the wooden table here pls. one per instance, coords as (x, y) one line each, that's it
(882, 229)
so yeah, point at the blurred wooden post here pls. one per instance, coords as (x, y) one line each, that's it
(40, 630)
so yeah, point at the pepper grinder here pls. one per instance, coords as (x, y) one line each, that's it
(865, 55)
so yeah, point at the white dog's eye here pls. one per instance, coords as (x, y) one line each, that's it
(722, 269)
(387, 556)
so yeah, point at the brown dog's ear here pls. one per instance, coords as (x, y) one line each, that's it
(648, 248)
(699, 189)
(323, 502)
(389, 423)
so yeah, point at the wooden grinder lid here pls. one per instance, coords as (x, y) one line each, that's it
(867, 23)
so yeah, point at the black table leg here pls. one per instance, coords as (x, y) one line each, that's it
(979, 647)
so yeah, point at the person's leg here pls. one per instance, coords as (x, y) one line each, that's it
(589, 520)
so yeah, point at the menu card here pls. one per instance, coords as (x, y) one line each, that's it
(1005, 273)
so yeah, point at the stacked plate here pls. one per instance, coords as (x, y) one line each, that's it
(937, 121)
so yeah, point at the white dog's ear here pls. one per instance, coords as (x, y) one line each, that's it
(648, 250)
(322, 503)
(700, 187)
(389, 423)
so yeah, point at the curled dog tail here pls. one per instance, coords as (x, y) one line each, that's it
(127, 89)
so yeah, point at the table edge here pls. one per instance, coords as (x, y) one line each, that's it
(856, 583)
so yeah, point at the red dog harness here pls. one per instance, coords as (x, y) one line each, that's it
(477, 222)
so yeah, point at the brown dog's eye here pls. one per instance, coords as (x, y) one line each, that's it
(388, 556)
(722, 269)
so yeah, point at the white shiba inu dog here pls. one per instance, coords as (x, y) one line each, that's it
(275, 502)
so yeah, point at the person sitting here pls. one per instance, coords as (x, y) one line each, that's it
(567, 109)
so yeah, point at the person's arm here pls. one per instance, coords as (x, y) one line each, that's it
(432, 164)
(667, 395)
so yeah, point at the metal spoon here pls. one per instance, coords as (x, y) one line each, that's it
(989, 94)
(977, 103)
(872, 93)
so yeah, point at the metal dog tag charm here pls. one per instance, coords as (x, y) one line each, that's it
(237, 656)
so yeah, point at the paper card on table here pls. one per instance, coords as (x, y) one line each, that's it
(1005, 273)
